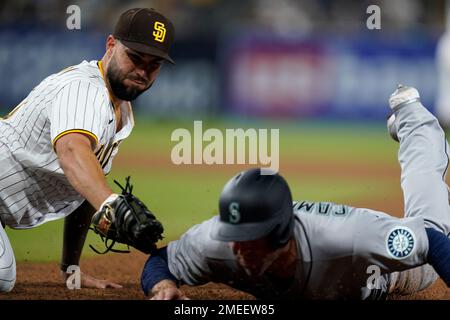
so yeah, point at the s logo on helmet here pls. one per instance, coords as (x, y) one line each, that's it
(235, 215)
(400, 242)
(160, 31)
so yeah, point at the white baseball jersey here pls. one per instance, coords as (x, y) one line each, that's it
(33, 187)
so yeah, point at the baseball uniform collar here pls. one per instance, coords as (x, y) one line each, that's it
(125, 109)
(127, 119)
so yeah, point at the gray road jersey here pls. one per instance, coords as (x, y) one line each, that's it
(336, 245)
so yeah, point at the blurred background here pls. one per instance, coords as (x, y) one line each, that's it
(289, 58)
(310, 68)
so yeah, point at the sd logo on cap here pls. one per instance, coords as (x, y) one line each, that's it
(147, 31)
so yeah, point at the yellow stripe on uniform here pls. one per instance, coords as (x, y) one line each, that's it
(85, 132)
(102, 72)
(100, 66)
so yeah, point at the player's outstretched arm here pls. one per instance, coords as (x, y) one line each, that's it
(82, 169)
(84, 173)
(158, 280)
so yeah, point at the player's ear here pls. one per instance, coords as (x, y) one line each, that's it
(110, 43)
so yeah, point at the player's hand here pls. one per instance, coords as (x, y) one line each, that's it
(169, 294)
(88, 281)
(167, 290)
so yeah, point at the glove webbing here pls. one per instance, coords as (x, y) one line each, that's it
(109, 247)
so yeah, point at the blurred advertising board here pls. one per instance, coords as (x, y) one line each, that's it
(28, 56)
(187, 89)
(245, 74)
(339, 77)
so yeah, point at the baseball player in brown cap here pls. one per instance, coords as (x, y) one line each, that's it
(135, 52)
(57, 145)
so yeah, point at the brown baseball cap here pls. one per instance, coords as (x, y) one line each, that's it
(146, 31)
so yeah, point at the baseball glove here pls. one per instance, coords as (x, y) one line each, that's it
(125, 219)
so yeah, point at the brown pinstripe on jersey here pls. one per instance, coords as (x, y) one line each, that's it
(33, 188)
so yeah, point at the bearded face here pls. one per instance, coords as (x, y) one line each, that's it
(130, 73)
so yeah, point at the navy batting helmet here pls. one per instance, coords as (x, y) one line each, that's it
(253, 206)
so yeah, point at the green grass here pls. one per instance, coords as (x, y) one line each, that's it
(309, 140)
(181, 199)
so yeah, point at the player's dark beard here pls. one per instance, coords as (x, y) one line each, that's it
(116, 78)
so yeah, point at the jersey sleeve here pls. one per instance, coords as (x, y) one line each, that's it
(392, 244)
(187, 257)
(369, 237)
(79, 107)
